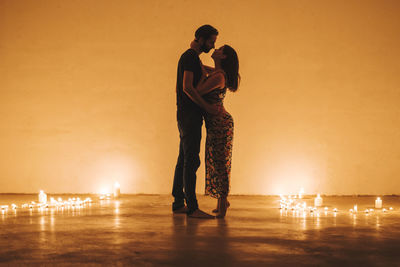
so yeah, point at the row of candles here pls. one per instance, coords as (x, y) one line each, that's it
(71, 202)
(378, 204)
(290, 203)
(43, 203)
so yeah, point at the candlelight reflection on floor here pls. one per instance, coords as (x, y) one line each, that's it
(258, 230)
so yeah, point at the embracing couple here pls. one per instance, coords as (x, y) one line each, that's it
(200, 92)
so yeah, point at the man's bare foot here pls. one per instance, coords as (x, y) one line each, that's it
(216, 210)
(199, 214)
(184, 209)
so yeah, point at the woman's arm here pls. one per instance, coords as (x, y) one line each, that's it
(208, 69)
(195, 96)
(213, 82)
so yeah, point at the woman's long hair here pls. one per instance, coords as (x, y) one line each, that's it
(230, 64)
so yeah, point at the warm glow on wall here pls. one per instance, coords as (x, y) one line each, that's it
(288, 177)
(112, 171)
(87, 94)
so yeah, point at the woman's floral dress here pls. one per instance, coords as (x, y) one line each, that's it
(218, 147)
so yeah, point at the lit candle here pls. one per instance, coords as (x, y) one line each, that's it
(42, 197)
(117, 190)
(378, 203)
(301, 193)
(318, 201)
(355, 208)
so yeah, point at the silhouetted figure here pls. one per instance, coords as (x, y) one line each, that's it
(190, 106)
(220, 126)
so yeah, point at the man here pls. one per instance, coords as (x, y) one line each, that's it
(190, 106)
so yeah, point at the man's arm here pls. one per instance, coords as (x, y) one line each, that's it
(194, 95)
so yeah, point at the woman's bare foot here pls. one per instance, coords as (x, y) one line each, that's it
(216, 210)
(199, 214)
(223, 206)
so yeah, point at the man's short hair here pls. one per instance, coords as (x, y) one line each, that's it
(205, 31)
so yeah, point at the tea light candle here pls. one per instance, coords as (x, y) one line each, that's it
(318, 201)
(117, 190)
(301, 193)
(378, 203)
(42, 197)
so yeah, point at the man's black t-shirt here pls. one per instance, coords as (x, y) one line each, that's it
(187, 109)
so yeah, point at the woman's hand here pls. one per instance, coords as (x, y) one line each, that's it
(193, 44)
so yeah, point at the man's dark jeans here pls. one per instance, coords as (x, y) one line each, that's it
(187, 165)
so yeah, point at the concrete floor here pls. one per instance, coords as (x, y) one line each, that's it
(140, 230)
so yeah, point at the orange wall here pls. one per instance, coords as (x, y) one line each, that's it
(87, 94)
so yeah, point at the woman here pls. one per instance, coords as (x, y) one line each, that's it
(219, 127)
